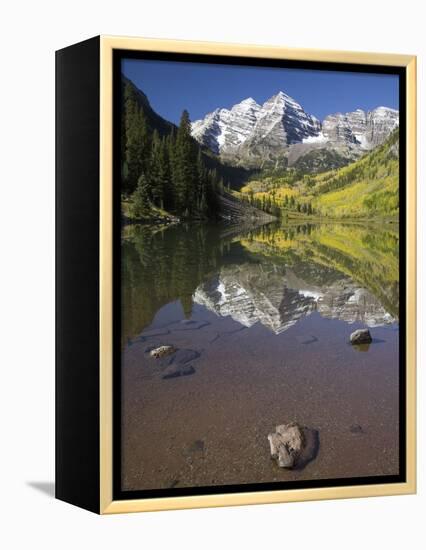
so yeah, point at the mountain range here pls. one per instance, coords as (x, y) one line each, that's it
(346, 165)
(277, 298)
(251, 134)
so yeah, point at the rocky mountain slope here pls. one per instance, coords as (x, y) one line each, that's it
(359, 128)
(252, 135)
(279, 122)
(225, 129)
(240, 212)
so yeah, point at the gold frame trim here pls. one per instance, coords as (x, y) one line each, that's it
(107, 504)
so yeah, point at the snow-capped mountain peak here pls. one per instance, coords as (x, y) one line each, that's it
(249, 129)
(227, 129)
(280, 117)
(283, 121)
(249, 101)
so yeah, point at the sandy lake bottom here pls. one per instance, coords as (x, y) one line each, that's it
(211, 427)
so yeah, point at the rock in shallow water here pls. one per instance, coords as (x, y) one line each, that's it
(286, 444)
(162, 351)
(294, 446)
(361, 336)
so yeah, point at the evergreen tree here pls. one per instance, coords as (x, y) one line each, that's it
(171, 197)
(185, 176)
(202, 183)
(212, 199)
(165, 175)
(140, 198)
(155, 169)
(137, 144)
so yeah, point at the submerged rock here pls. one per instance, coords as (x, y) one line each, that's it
(361, 336)
(196, 449)
(185, 355)
(356, 429)
(162, 351)
(189, 324)
(171, 362)
(154, 332)
(174, 371)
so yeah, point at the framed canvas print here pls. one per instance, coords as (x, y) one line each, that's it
(235, 274)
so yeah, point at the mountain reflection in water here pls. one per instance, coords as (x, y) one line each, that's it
(274, 274)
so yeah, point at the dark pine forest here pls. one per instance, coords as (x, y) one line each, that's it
(163, 167)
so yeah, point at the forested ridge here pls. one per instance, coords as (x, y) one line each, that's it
(366, 188)
(165, 171)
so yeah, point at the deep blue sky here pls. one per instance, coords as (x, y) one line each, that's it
(201, 88)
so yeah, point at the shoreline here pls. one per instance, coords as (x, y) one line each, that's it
(126, 222)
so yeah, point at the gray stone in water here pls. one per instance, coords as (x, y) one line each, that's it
(162, 351)
(174, 371)
(361, 336)
(287, 443)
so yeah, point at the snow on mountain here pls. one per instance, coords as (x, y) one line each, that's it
(251, 129)
(320, 138)
(282, 118)
(380, 123)
(224, 129)
(279, 121)
(210, 131)
(360, 128)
